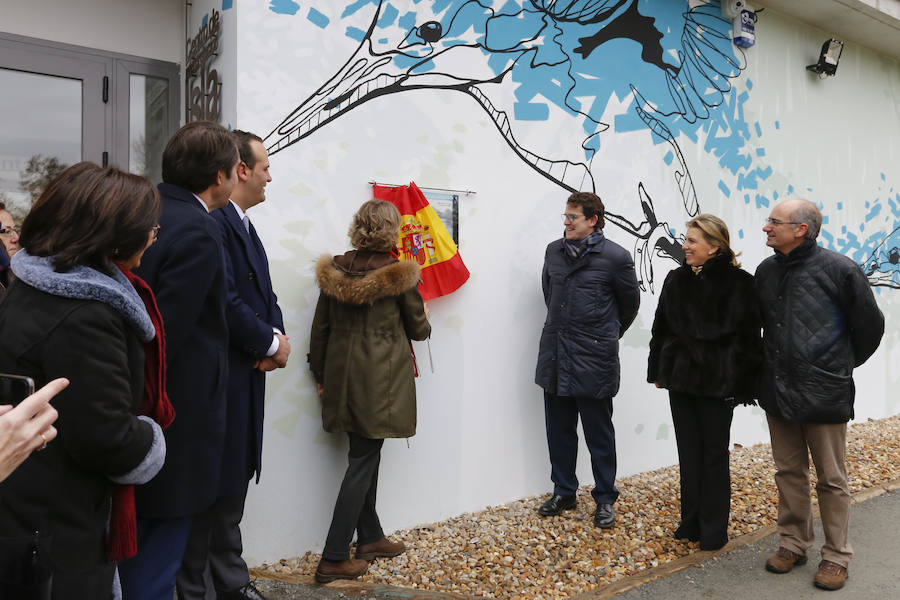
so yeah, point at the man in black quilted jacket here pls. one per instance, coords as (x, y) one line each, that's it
(820, 321)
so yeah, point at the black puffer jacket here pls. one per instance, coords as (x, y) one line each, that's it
(706, 334)
(590, 301)
(820, 320)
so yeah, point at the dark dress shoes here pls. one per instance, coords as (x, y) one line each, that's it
(686, 532)
(247, 592)
(604, 517)
(555, 505)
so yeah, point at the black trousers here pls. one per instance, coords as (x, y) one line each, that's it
(703, 431)
(212, 560)
(355, 506)
(561, 416)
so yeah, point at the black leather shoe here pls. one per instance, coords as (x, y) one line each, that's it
(555, 505)
(686, 532)
(247, 592)
(604, 517)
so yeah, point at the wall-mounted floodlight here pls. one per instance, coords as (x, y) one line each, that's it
(828, 58)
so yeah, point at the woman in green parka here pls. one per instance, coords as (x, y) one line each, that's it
(368, 310)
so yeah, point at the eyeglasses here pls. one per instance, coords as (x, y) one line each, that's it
(776, 222)
(570, 217)
(155, 231)
(10, 230)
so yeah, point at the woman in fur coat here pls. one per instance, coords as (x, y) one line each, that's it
(368, 310)
(705, 349)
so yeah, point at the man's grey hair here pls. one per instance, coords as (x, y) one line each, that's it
(808, 213)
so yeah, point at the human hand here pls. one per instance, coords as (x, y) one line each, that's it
(427, 311)
(28, 426)
(284, 350)
(266, 364)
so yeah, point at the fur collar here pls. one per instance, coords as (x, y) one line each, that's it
(366, 288)
(85, 283)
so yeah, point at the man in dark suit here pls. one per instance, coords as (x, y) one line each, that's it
(186, 270)
(257, 344)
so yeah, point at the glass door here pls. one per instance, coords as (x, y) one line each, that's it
(52, 115)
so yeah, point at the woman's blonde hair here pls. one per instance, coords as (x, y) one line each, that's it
(716, 233)
(375, 226)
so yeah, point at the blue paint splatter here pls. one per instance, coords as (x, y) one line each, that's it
(284, 7)
(668, 157)
(407, 21)
(317, 18)
(525, 111)
(388, 16)
(355, 33)
(740, 234)
(724, 189)
(777, 124)
(840, 206)
(205, 20)
(758, 129)
(760, 151)
(227, 4)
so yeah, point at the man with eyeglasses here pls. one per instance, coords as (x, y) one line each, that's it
(820, 321)
(592, 297)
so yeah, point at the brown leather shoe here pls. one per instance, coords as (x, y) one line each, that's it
(831, 576)
(330, 570)
(784, 560)
(383, 548)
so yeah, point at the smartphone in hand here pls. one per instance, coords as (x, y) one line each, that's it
(15, 388)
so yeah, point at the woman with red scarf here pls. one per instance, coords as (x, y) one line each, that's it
(71, 312)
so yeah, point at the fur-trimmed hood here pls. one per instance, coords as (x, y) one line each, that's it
(365, 287)
(85, 283)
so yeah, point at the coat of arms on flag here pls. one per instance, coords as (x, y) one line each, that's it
(425, 239)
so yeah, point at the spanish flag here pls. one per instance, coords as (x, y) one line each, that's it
(424, 239)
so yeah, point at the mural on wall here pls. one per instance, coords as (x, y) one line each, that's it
(591, 94)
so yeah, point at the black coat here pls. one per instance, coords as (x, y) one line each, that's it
(706, 334)
(820, 320)
(252, 312)
(591, 301)
(185, 269)
(64, 490)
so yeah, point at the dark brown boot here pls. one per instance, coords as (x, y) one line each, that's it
(831, 576)
(330, 570)
(383, 548)
(784, 560)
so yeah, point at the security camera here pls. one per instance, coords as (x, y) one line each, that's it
(732, 8)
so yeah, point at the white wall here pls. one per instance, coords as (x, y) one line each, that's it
(480, 437)
(147, 29)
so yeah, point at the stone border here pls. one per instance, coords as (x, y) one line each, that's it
(606, 592)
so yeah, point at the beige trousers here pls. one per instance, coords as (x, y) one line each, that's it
(792, 443)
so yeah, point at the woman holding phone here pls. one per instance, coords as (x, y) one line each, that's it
(28, 426)
(72, 313)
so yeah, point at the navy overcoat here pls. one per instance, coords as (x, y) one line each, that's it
(252, 312)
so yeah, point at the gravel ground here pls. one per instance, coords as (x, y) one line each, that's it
(510, 551)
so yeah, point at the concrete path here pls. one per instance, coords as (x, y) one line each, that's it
(734, 573)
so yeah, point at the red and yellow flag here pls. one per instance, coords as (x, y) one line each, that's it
(424, 239)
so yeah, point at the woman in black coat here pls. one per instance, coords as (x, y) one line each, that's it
(72, 313)
(705, 349)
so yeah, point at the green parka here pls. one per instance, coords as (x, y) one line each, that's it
(368, 309)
